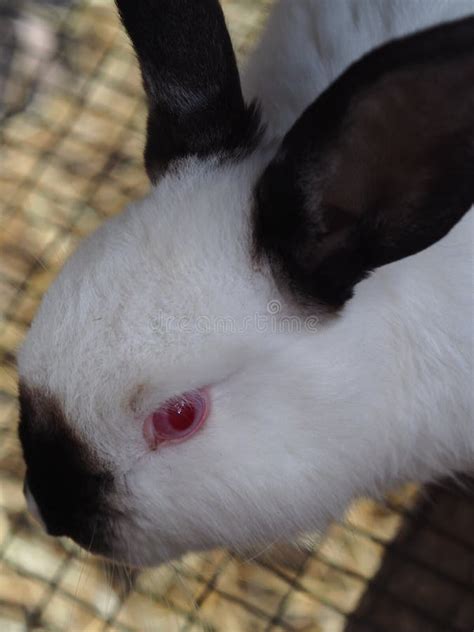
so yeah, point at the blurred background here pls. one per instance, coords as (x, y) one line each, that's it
(71, 137)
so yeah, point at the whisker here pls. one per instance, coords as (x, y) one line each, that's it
(257, 554)
(24, 252)
(181, 580)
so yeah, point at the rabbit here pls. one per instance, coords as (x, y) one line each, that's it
(285, 321)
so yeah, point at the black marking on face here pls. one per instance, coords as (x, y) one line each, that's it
(68, 482)
(378, 168)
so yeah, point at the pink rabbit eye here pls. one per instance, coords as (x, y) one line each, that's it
(177, 419)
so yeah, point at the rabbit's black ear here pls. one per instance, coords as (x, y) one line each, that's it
(379, 167)
(190, 77)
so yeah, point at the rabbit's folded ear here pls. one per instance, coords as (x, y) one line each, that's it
(191, 80)
(379, 167)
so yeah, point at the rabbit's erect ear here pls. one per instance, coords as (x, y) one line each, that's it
(379, 167)
(190, 77)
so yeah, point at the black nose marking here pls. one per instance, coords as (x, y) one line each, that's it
(65, 477)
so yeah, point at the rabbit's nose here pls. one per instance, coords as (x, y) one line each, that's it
(32, 506)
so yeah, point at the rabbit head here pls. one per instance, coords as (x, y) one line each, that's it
(178, 383)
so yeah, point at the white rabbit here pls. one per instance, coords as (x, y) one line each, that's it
(216, 366)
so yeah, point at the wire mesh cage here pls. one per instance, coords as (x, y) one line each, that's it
(72, 130)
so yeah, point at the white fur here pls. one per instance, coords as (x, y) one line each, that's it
(301, 421)
(308, 43)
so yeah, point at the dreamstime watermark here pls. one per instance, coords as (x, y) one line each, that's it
(272, 320)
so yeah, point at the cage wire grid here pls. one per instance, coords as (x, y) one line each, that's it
(72, 131)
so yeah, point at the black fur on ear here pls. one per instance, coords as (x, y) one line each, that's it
(191, 80)
(379, 167)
